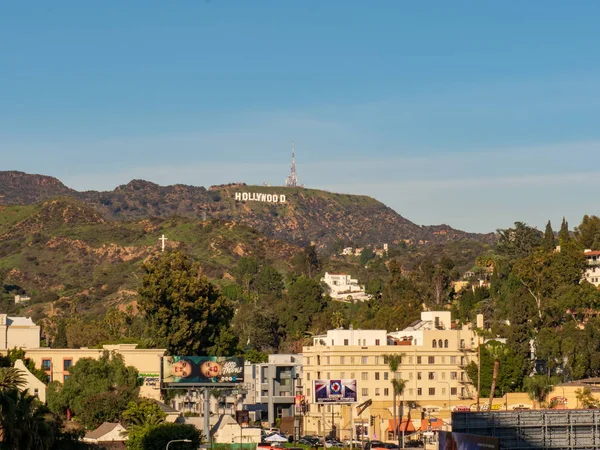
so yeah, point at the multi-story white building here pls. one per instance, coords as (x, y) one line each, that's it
(434, 358)
(592, 273)
(18, 332)
(344, 287)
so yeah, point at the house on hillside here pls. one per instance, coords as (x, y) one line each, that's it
(344, 287)
(592, 273)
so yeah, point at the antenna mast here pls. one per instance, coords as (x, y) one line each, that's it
(292, 180)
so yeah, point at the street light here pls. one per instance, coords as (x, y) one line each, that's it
(177, 440)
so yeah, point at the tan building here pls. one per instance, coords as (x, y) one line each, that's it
(19, 332)
(434, 358)
(592, 273)
(57, 362)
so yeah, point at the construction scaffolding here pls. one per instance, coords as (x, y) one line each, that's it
(551, 429)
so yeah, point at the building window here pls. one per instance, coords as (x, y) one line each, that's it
(377, 341)
(329, 375)
(345, 341)
(431, 391)
(386, 375)
(364, 376)
(308, 394)
(318, 360)
(46, 364)
(365, 392)
(443, 359)
(377, 360)
(410, 359)
(364, 360)
(328, 360)
(434, 343)
(352, 377)
(385, 359)
(431, 359)
(453, 360)
(377, 376)
(342, 360)
(398, 375)
(443, 391)
(308, 360)
(418, 360)
(440, 343)
(332, 342)
(386, 391)
(445, 343)
(377, 393)
(453, 391)
(307, 376)
(410, 376)
(418, 375)
(318, 375)
(410, 392)
(453, 376)
(342, 375)
(443, 375)
(419, 391)
(352, 360)
(431, 375)
(67, 364)
(36, 392)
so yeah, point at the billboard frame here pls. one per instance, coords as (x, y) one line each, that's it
(196, 384)
(329, 382)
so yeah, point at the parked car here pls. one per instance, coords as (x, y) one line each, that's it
(414, 443)
(385, 445)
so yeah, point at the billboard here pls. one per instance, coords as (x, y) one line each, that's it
(335, 391)
(202, 370)
(460, 441)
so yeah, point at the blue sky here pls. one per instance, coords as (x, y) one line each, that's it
(475, 114)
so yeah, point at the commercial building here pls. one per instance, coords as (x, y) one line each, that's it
(434, 356)
(19, 332)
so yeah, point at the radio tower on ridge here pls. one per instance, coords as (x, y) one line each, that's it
(292, 180)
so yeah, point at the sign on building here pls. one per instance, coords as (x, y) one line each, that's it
(335, 391)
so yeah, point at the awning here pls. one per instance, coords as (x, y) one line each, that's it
(434, 424)
(406, 426)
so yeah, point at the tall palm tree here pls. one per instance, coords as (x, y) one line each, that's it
(497, 351)
(394, 361)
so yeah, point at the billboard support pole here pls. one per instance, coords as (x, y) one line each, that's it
(351, 426)
(324, 432)
(207, 414)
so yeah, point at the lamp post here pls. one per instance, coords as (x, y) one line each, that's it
(177, 440)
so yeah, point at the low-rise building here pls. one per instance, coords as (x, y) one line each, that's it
(19, 332)
(434, 356)
(56, 362)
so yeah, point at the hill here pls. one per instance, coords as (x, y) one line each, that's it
(307, 215)
(71, 260)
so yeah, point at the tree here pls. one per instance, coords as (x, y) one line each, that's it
(366, 255)
(548, 241)
(519, 241)
(11, 379)
(269, 282)
(538, 387)
(563, 235)
(140, 418)
(24, 426)
(187, 313)
(497, 352)
(398, 384)
(588, 232)
(157, 437)
(586, 398)
(97, 391)
(305, 301)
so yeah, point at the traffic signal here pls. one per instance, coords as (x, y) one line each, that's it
(423, 414)
(372, 420)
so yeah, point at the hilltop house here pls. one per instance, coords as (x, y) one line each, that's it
(592, 273)
(344, 287)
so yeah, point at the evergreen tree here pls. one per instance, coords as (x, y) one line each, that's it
(548, 241)
(563, 235)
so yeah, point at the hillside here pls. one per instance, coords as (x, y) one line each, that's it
(307, 216)
(65, 255)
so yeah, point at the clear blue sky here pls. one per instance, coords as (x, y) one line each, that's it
(474, 114)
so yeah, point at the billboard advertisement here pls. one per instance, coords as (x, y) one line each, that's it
(335, 391)
(202, 370)
(460, 441)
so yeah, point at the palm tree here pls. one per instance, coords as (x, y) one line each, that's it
(394, 361)
(24, 427)
(538, 387)
(11, 379)
(497, 351)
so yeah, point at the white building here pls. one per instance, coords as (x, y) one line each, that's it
(344, 287)
(21, 299)
(18, 332)
(592, 273)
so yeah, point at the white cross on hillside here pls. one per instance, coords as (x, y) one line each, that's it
(162, 239)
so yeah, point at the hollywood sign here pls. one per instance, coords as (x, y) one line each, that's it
(258, 197)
